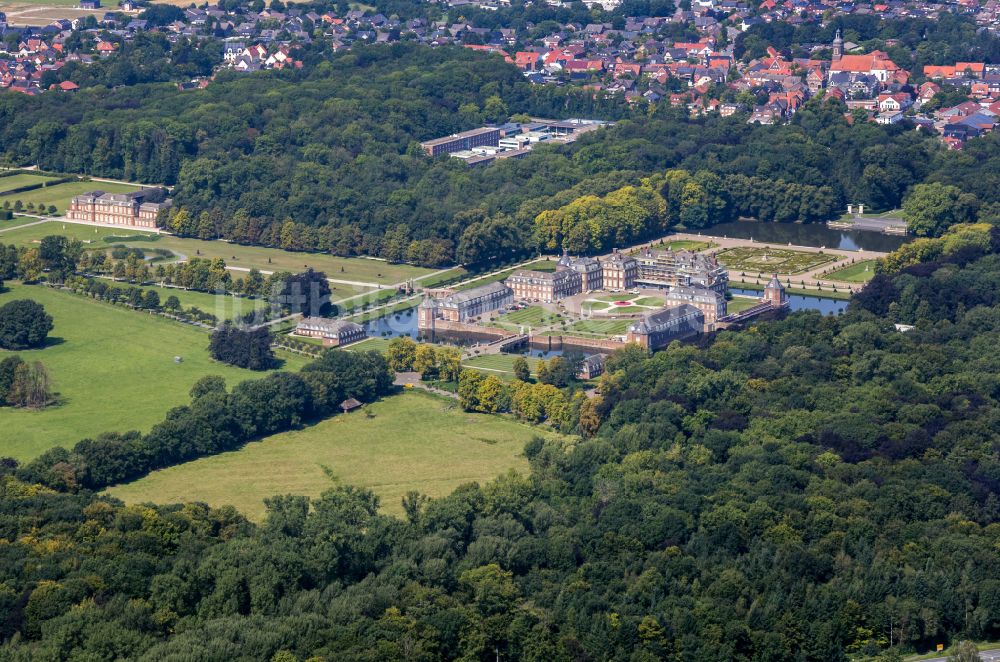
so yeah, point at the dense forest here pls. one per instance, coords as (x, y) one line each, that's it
(327, 158)
(810, 488)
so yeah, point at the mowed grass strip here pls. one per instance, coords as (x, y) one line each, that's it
(738, 304)
(61, 194)
(860, 272)
(499, 363)
(113, 368)
(17, 181)
(412, 441)
(235, 255)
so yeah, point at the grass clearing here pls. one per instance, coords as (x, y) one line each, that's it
(413, 441)
(113, 368)
(859, 272)
(774, 260)
(61, 194)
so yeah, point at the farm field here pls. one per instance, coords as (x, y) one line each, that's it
(773, 260)
(22, 179)
(61, 194)
(499, 363)
(860, 272)
(441, 449)
(113, 368)
(235, 255)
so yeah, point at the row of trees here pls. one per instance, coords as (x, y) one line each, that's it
(217, 420)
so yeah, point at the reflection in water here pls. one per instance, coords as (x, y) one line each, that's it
(402, 323)
(812, 234)
(802, 302)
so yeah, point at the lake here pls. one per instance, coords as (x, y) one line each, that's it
(812, 234)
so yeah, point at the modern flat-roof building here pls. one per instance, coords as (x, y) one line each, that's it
(467, 140)
(681, 268)
(461, 306)
(547, 286)
(335, 333)
(709, 302)
(657, 329)
(116, 209)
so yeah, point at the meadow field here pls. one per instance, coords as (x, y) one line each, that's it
(236, 256)
(113, 369)
(411, 441)
(61, 194)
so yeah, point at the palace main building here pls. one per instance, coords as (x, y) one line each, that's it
(128, 209)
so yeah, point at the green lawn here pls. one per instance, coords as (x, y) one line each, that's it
(738, 304)
(61, 194)
(113, 368)
(859, 272)
(235, 255)
(223, 306)
(499, 363)
(413, 441)
(369, 345)
(531, 316)
(773, 260)
(11, 225)
(594, 328)
(22, 179)
(656, 302)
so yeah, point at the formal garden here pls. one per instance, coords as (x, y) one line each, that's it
(766, 259)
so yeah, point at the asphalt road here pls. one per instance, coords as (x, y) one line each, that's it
(985, 656)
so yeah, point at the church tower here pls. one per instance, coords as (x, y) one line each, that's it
(838, 47)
